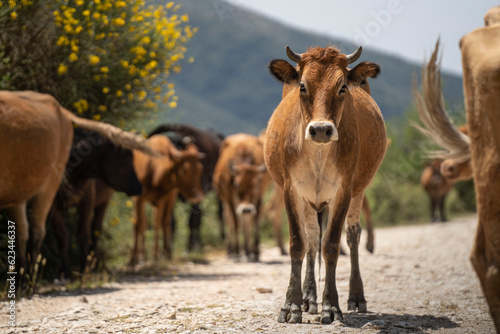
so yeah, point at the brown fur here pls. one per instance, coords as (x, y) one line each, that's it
(481, 70)
(162, 179)
(36, 133)
(329, 176)
(240, 179)
(437, 187)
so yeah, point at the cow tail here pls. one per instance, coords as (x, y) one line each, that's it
(320, 222)
(125, 139)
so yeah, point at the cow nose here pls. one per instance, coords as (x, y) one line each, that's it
(246, 211)
(321, 132)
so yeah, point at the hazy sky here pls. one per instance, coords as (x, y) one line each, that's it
(408, 28)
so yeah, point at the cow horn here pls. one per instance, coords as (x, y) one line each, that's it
(354, 56)
(296, 57)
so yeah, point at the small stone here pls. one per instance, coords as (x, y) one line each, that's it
(264, 290)
(84, 299)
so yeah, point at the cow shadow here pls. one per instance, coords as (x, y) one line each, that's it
(398, 323)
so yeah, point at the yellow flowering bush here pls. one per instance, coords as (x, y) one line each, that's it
(109, 59)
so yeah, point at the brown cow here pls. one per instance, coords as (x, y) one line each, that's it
(481, 69)
(437, 187)
(36, 134)
(324, 143)
(240, 179)
(162, 179)
(480, 149)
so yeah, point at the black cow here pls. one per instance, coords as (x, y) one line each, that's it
(92, 158)
(208, 142)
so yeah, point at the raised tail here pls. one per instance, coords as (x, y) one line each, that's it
(437, 124)
(116, 135)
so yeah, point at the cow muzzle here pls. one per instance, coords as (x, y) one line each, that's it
(246, 209)
(321, 132)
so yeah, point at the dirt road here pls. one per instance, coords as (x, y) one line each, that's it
(418, 280)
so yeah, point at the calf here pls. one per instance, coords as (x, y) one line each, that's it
(324, 144)
(437, 187)
(162, 178)
(241, 179)
(208, 142)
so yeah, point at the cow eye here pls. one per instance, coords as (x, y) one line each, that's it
(302, 87)
(342, 90)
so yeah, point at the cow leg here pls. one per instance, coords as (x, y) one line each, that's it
(232, 227)
(61, 233)
(168, 208)
(220, 211)
(86, 212)
(158, 213)
(433, 209)
(247, 222)
(442, 208)
(484, 258)
(194, 242)
(96, 229)
(139, 230)
(331, 248)
(17, 214)
(309, 295)
(277, 226)
(291, 310)
(370, 243)
(356, 293)
(256, 233)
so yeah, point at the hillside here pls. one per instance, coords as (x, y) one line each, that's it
(228, 87)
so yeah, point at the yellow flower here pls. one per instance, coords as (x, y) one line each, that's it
(169, 5)
(128, 87)
(124, 63)
(13, 15)
(93, 59)
(173, 104)
(143, 73)
(102, 108)
(78, 29)
(119, 93)
(118, 22)
(74, 48)
(129, 204)
(62, 69)
(73, 57)
(146, 40)
(174, 58)
(170, 86)
(105, 90)
(191, 60)
(97, 117)
(104, 69)
(62, 40)
(96, 15)
(79, 2)
(184, 18)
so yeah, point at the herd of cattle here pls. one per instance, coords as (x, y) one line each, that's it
(322, 147)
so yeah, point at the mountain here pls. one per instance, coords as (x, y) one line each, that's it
(228, 86)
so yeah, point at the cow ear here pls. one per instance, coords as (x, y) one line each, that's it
(283, 71)
(358, 75)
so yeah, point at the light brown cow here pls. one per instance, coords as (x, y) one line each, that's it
(481, 70)
(240, 179)
(437, 187)
(162, 178)
(36, 134)
(324, 143)
(480, 149)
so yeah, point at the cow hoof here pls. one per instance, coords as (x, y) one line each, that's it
(291, 314)
(309, 306)
(370, 247)
(353, 304)
(327, 316)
